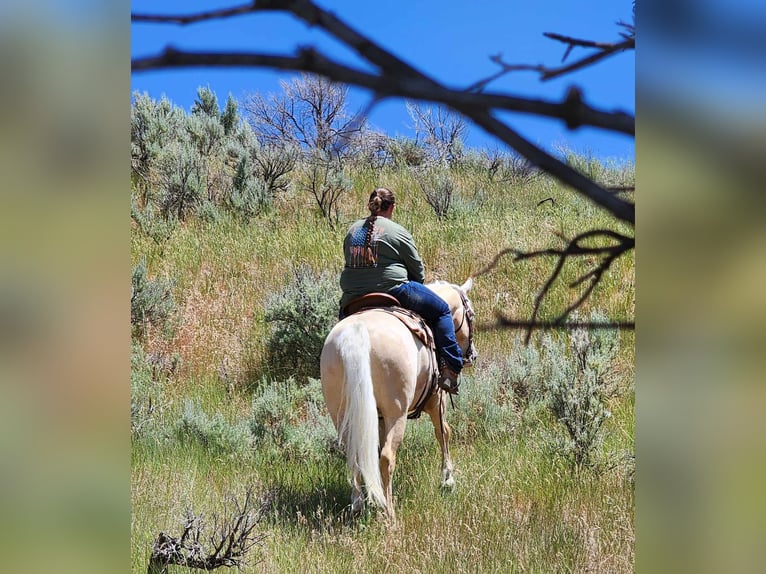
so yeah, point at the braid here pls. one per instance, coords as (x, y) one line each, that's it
(370, 223)
(367, 250)
(365, 253)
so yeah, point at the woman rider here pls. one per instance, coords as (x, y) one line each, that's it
(381, 257)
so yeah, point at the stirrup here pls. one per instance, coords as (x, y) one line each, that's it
(448, 379)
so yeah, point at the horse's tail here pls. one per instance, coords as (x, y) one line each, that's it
(359, 428)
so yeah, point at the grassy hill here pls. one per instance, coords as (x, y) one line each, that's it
(214, 414)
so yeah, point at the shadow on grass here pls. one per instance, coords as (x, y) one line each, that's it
(313, 495)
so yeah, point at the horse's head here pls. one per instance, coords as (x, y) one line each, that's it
(456, 297)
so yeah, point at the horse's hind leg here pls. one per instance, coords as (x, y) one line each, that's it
(394, 432)
(435, 409)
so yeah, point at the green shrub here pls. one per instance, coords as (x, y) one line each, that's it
(261, 172)
(289, 420)
(312, 437)
(153, 126)
(181, 170)
(271, 408)
(207, 211)
(149, 221)
(327, 181)
(438, 189)
(214, 434)
(249, 195)
(151, 300)
(465, 208)
(484, 407)
(577, 384)
(145, 392)
(301, 316)
(524, 371)
(407, 152)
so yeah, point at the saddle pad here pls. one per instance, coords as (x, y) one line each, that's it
(413, 322)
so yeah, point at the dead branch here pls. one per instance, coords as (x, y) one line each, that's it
(386, 85)
(231, 538)
(576, 247)
(603, 51)
(502, 323)
(182, 19)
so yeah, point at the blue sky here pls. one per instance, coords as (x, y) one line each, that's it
(449, 40)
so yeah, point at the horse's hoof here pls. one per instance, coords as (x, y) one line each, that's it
(449, 484)
(357, 506)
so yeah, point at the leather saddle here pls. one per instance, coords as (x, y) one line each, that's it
(368, 301)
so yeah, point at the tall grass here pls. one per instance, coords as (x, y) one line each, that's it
(517, 507)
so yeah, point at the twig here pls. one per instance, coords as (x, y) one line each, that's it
(574, 248)
(198, 17)
(504, 323)
(230, 540)
(604, 50)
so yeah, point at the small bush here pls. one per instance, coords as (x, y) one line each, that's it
(524, 371)
(207, 211)
(484, 407)
(271, 409)
(151, 300)
(463, 207)
(289, 420)
(438, 189)
(261, 171)
(214, 434)
(407, 153)
(577, 385)
(313, 436)
(149, 221)
(301, 316)
(145, 392)
(327, 182)
(273, 165)
(248, 195)
(181, 169)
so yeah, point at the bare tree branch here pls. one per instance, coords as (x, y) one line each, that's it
(198, 17)
(231, 538)
(574, 114)
(604, 50)
(503, 323)
(574, 248)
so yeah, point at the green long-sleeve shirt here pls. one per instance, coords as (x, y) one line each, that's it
(392, 259)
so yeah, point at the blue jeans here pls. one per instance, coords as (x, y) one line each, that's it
(420, 299)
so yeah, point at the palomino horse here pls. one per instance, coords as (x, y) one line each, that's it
(373, 371)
